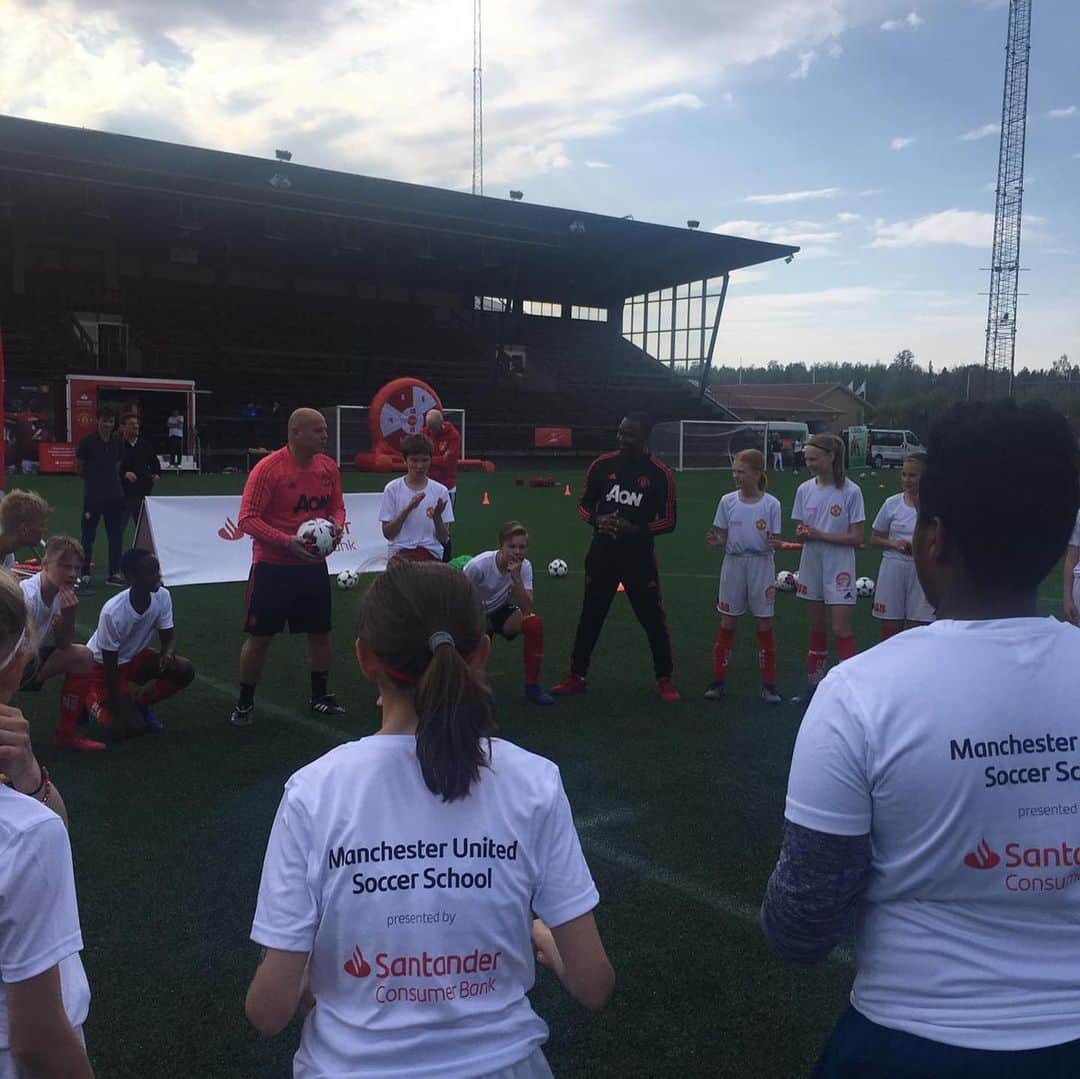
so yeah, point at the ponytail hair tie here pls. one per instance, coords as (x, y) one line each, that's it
(438, 639)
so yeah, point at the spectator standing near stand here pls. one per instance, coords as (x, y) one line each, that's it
(289, 583)
(445, 441)
(97, 460)
(44, 994)
(139, 467)
(629, 499)
(175, 427)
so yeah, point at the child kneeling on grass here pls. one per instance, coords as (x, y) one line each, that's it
(51, 605)
(122, 655)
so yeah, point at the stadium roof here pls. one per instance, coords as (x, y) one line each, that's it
(788, 399)
(431, 235)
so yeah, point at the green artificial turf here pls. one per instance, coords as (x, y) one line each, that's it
(680, 808)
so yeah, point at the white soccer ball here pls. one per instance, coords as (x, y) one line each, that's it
(318, 534)
(557, 567)
(785, 581)
(348, 579)
(864, 587)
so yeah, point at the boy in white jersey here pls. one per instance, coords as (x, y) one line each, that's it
(899, 599)
(122, 655)
(51, 606)
(415, 510)
(829, 517)
(24, 516)
(747, 527)
(933, 779)
(504, 578)
(1071, 590)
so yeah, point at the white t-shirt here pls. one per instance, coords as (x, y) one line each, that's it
(1074, 541)
(39, 915)
(176, 426)
(41, 616)
(418, 530)
(494, 585)
(123, 630)
(897, 520)
(417, 912)
(956, 746)
(748, 524)
(828, 508)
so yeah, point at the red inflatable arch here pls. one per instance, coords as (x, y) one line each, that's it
(397, 410)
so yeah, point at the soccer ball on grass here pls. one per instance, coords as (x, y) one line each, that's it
(348, 579)
(557, 567)
(318, 535)
(864, 587)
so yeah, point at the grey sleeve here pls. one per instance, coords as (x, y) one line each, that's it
(813, 891)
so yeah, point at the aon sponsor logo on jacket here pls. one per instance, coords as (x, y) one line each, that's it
(624, 498)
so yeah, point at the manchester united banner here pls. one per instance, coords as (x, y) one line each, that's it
(197, 541)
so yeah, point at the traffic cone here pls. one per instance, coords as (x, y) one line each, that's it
(621, 588)
(485, 501)
(566, 491)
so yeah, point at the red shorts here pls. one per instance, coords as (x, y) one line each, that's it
(413, 554)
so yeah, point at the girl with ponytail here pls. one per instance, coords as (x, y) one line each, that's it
(403, 869)
(747, 527)
(44, 995)
(830, 519)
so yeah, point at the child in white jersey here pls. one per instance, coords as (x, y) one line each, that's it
(123, 656)
(403, 870)
(44, 995)
(24, 516)
(899, 600)
(829, 517)
(747, 527)
(933, 779)
(51, 605)
(504, 578)
(416, 511)
(1071, 589)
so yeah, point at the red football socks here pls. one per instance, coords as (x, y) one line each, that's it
(532, 632)
(845, 648)
(766, 640)
(889, 629)
(816, 656)
(725, 639)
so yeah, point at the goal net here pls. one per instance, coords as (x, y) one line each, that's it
(697, 444)
(347, 426)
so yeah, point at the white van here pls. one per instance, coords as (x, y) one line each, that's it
(887, 449)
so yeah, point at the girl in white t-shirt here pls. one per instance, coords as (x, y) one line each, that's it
(899, 600)
(747, 527)
(44, 996)
(403, 870)
(829, 517)
(1071, 589)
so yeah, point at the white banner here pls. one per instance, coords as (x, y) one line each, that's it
(197, 542)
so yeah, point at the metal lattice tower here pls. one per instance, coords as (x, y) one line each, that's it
(477, 103)
(1005, 261)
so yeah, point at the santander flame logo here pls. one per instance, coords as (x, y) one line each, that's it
(982, 857)
(357, 965)
(230, 531)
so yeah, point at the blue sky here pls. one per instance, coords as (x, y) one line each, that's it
(835, 124)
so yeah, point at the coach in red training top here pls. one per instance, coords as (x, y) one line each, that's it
(445, 439)
(629, 499)
(289, 583)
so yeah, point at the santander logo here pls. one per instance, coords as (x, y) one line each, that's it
(982, 857)
(357, 965)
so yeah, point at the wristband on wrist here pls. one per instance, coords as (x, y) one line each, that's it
(41, 792)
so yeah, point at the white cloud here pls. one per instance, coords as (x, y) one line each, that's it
(902, 142)
(597, 165)
(749, 277)
(799, 233)
(1061, 114)
(911, 21)
(794, 196)
(385, 89)
(672, 101)
(835, 50)
(806, 61)
(870, 192)
(966, 228)
(847, 218)
(980, 132)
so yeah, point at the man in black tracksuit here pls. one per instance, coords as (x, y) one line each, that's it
(140, 469)
(629, 498)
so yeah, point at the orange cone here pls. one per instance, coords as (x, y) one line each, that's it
(621, 588)
(485, 501)
(566, 491)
